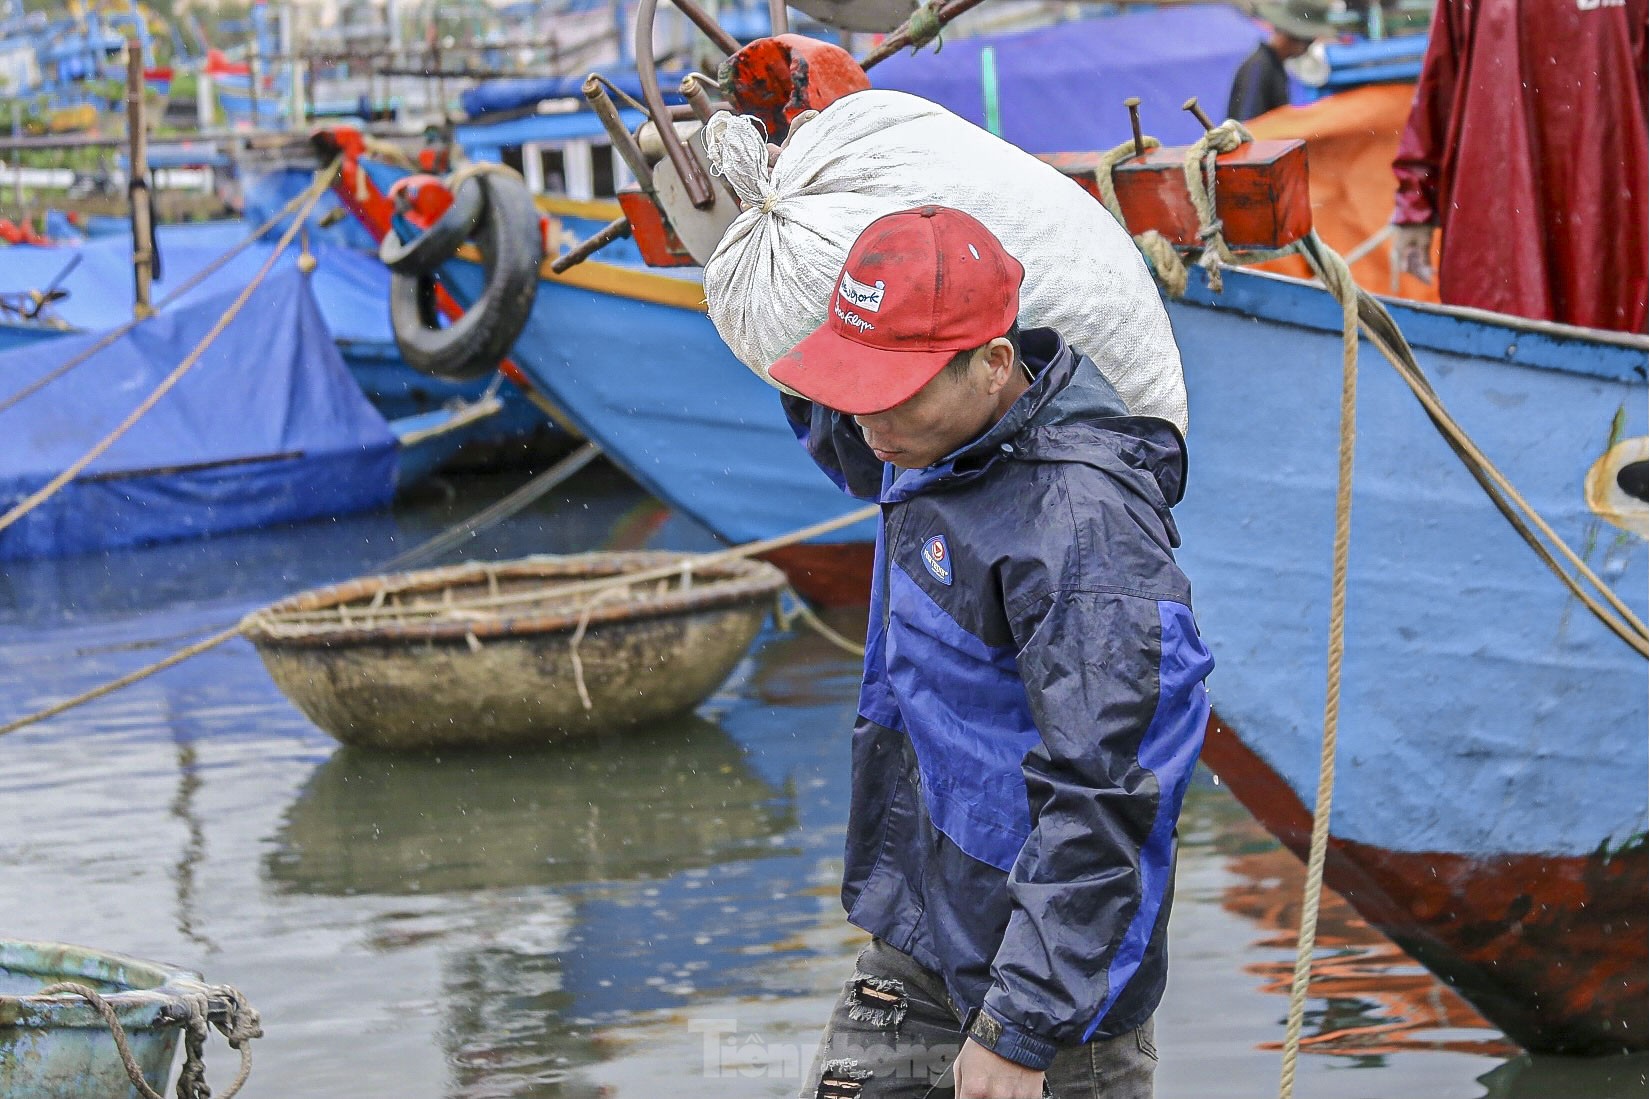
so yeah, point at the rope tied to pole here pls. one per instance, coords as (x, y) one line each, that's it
(241, 1024)
(1164, 259)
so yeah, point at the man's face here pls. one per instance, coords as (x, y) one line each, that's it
(951, 410)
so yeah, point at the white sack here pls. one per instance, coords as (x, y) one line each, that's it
(875, 152)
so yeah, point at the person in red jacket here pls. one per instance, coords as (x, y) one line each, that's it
(1528, 149)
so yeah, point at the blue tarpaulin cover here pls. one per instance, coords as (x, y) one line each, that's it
(1062, 87)
(353, 288)
(268, 427)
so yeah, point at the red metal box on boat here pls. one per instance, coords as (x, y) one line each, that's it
(1262, 193)
(658, 243)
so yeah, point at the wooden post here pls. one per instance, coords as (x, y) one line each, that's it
(137, 186)
(16, 158)
(252, 77)
(440, 76)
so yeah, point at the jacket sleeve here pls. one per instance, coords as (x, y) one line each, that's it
(836, 446)
(1418, 165)
(1115, 685)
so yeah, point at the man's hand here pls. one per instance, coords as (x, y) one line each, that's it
(981, 1074)
(1412, 243)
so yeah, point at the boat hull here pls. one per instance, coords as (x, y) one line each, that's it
(1550, 949)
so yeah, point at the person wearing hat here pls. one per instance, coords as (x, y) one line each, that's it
(1032, 705)
(1261, 83)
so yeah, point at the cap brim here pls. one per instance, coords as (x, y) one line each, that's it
(839, 373)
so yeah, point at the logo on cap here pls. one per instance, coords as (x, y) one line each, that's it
(857, 294)
(936, 556)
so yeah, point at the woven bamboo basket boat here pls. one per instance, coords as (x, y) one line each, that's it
(516, 653)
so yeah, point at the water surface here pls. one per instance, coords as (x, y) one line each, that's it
(651, 915)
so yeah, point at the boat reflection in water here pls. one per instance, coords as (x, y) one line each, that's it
(669, 798)
(531, 840)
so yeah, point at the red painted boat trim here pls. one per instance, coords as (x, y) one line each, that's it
(833, 575)
(1553, 950)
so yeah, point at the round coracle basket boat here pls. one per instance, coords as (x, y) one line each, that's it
(515, 653)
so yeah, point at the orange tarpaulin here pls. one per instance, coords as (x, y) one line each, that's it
(1351, 139)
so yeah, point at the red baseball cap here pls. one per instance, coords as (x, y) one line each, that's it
(918, 286)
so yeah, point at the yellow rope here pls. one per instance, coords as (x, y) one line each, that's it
(1165, 261)
(51, 488)
(126, 680)
(1342, 287)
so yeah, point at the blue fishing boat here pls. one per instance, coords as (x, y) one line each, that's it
(350, 287)
(1493, 807)
(228, 448)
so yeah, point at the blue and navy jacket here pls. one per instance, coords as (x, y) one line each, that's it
(1032, 708)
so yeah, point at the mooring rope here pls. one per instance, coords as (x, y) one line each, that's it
(494, 513)
(51, 488)
(785, 617)
(1338, 278)
(241, 1026)
(182, 288)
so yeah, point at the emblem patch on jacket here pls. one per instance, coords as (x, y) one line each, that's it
(936, 556)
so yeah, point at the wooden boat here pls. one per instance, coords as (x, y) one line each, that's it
(59, 1047)
(526, 652)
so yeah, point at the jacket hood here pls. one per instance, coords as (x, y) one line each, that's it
(1070, 413)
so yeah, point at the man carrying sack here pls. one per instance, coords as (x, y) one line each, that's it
(1033, 701)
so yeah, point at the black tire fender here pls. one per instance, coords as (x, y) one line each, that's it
(434, 246)
(512, 249)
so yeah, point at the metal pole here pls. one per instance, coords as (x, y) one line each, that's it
(692, 89)
(903, 37)
(693, 178)
(623, 142)
(701, 19)
(778, 17)
(137, 186)
(609, 233)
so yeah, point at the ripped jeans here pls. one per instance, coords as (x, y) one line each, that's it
(894, 1034)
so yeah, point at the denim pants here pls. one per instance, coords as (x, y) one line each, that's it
(894, 1034)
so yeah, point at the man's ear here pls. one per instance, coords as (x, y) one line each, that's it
(999, 362)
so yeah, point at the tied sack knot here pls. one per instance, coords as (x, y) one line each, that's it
(737, 150)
